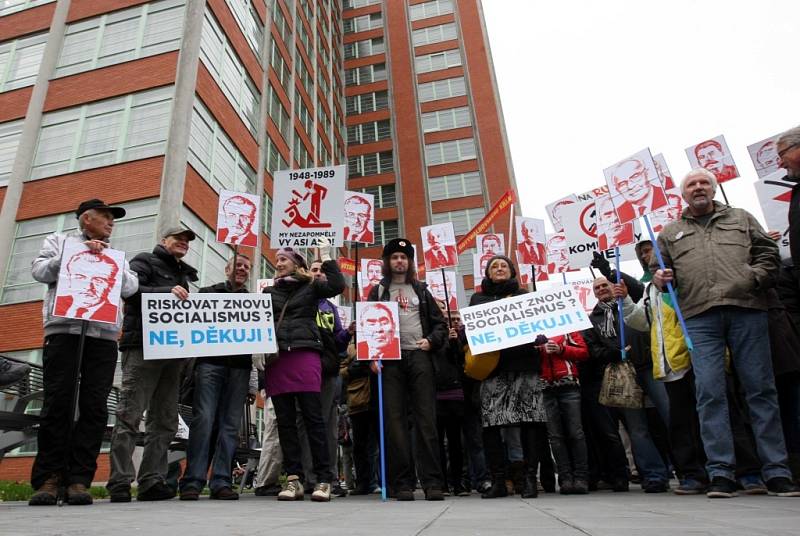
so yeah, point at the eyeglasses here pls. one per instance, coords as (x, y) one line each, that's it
(781, 153)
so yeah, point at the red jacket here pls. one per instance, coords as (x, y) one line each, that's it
(558, 366)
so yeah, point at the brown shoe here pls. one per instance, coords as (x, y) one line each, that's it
(77, 494)
(47, 494)
(225, 494)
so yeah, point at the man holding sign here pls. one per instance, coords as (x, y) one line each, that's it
(61, 331)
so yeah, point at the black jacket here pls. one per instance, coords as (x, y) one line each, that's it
(434, 326)
(521, 358)
(449, 365)
(794, 225)
(158, 272)
(605, 350)
(299, 327)
(243, 361)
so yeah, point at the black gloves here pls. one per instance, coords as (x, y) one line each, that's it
(601, 263)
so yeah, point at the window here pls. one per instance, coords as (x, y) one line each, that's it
(353, 4)
(12, 6)
(386, 230)
(217, 53)
(301, 154)
(370, 164)
(385, 196)
(369, 132)
(9, 140)
(464, 266)
(205, 253)
(275, 161)
(438, 61)
(20, 60)
(266, 203)
(365, 75)
(366, 22)
(459, 185)
(430, 9)
(434, 34)
(249, 23)
(121, 36)
(280, 22)
(214, 156)
(463, 220)
(361, 49)
(102, 133)
(302, 73)
(279, 64)
(446, 119)
(449, 151)
(133, 234)
(441, 89)
(278, 113)
(302, 114)
(367, 102)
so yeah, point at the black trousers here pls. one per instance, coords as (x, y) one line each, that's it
(684, 430)
(409, 390)
(286, 414)
(607, 459)
(365, 446)
(60, 358)
(450, 423)
(496, 454)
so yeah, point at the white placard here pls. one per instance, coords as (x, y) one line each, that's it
(764, 155)
(557, 254)
(663, 171)
(345, 315)
(520, 319)
(610, 232)
(308, 206)
(439, 246)
(715, 156)
(437, 286)
(377, 331)
(89, 284)
(580, 230)
(369, 276)
(531, 241)
(261, 284)
(214, 324)
(359, 217)
(672, 212)
(635, 186)
(238, 218)
(774, 195)
(554, 211)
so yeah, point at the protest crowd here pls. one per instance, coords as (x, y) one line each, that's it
(685, 380)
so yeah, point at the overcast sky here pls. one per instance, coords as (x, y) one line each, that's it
(585, 83)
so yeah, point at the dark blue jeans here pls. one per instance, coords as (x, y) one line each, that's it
(219, 397)
(564, 426)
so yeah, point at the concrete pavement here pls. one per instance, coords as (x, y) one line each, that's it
(597, 514)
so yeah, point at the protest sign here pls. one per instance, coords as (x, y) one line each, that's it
(774, 196)
(635, 186)
(370, 275)
(437, 286)
(89, 284)
(671, 212)
(525, 271)
(308, 206)
(261, 284)
(345, 315)
(714, 156)
(580, 232)
(610, 232)
(557, 254)
(764, 155)
(664, 174)
(359, 217)
(554, 211)
(237, 218)
(584, 292)
(214, 324)
(520, 319)
(488, 245)
(531, 241)
(439, 246)
(377, 330)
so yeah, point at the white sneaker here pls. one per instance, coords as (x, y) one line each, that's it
(322, 492)
(293, 490)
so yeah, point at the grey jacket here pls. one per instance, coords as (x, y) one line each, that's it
(730, 261)
(45, 269)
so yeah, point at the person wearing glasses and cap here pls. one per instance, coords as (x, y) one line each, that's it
(150, 385)
(60, 357)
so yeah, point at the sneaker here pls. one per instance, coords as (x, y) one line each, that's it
(322, 492)
(752, 485)
(781, 486)
(460, 491)
(12, 371)
(47, 494)
(360, 490)
(690, 487)
(122, 495)
(77, 494)
(338, 491)
(404, 494)
(190, 494)
(224, 493)
(721, 488)
(292, 490)
(484, 486)
(580, 487)
(157, 492)
(654, 486)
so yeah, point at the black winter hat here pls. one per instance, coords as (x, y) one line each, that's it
(503, 257)
(400, 245)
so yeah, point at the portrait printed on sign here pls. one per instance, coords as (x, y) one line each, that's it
(370, 275)
(531, 241)
(237, 218)
(261, 284)
(610, 232)
(635, 187)
(555, 209)
(89, 284)
(377, 331)
(525, 271)
(359, 221)
(764, 155)
(439, 246)
(557, 254)
(488, 246)
(437, 287)
(345, 315)
(663, 172)
(671, 212)
(714, 156)
(308, 206)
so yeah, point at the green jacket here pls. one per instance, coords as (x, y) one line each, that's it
(730, 261)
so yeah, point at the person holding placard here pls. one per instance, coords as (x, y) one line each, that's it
(150, 385)
(788, 146)
(512, 394)
(410, 382)
(99, 360)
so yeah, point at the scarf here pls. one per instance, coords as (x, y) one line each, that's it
(503, 288)
(607, 328)
(291, 280)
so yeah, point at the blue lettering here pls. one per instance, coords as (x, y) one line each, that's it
(197, 336)
(511, 331)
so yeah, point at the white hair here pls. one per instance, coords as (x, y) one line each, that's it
(703, 172)
(790, 137)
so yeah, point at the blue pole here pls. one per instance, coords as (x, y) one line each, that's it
(564, 277)
(380, 423)
(619, 310)
(671, 290)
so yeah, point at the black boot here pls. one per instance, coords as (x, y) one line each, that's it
(498, 488)
(530, 490)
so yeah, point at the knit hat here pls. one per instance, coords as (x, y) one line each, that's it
(294, 256)
(398, 245)
(502, 257)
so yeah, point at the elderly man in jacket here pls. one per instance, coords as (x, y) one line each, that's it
(722, 263)
(61, 339)
(150, 385)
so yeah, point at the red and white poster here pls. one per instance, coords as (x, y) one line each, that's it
(531, 241)
(308, 206)
(439, 246)
(237, 218)
(370, 275)
(89, 284)
(610, 232)
(557, 254)
(764, 155)
(345, 315)
(488, 245)
(377, 331)
(359, 217)
(261, 284)
(437, 286)
(714, 156)
(774, 195)
(635, 186)
(525, 271)
(663, 171)
(671, 212)
(555, 208)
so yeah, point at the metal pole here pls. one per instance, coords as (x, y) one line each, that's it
(73, 409)
(619, 310)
